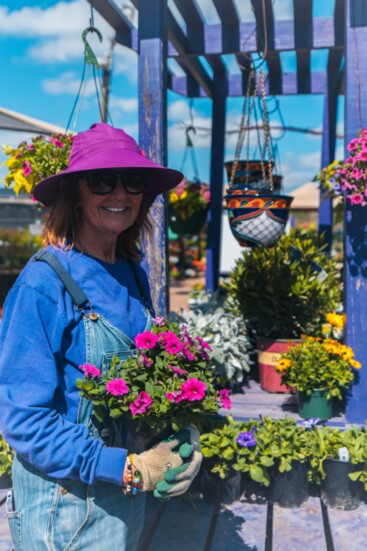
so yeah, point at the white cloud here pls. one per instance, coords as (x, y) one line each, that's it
(125, 61)
(127, 105)
(68, 83)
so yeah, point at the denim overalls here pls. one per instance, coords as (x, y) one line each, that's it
(68, 515)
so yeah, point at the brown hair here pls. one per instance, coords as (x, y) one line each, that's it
(62, 222)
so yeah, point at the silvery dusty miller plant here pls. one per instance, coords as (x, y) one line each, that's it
(224, 331)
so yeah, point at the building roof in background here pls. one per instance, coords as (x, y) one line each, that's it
(306, 197)
(11, 120)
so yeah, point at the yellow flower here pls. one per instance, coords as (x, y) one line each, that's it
(355, 364)
(283, 364)
(336, 320)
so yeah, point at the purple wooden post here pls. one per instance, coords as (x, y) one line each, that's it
(355, 283)
(153, 137)
(216, 180)
(328, 154)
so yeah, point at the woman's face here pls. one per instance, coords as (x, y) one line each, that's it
(106, 216)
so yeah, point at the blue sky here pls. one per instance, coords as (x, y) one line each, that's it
(41, 54)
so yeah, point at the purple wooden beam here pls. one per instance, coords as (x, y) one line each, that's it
(355, 267)
(216, 181)
(328, 143)
(304, 70)
(194, 22)
(303, 31)
(153, 137)
(237, 85)
(227, 12)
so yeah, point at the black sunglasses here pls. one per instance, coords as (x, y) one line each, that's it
(104, 182)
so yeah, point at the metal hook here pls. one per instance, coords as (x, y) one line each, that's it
(189, 142)
(89, 56)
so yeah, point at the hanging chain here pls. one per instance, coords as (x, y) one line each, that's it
(266, 126)
(243, 127)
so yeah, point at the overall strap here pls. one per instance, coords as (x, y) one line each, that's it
(79, 298)
(140, 286)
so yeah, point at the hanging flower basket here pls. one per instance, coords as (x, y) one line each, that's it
(256, 219)
(192, 225)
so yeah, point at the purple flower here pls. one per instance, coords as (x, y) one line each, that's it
(27, 169)
(311, 423)
(246, 439)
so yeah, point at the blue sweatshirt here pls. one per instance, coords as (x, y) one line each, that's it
(42, 343)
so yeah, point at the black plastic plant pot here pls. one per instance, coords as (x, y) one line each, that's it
(289, 489)
(219, 491)
(338, 491)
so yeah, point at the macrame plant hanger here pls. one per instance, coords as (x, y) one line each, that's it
(90, 62)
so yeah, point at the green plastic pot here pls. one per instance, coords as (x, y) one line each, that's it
(315, 404)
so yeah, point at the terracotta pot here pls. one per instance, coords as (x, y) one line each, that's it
(268, 353)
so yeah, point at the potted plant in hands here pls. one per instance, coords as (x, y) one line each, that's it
(283, 292)
(168, 384)
(188, 206)
(321, 370)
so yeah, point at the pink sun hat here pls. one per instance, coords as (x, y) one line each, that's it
(104, 147)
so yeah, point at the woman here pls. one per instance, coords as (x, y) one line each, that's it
(81, 301)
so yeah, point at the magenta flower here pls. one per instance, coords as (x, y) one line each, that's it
(27, 169)
(58, 143)
(147, 339)
(175, 396)
(173, 347)
(185, 335)
(189, 355)
(193, 389)
(117, 387)
(158, 321)
(90, 370)
(145, 360)
(141, 404)
(30, 147)
(203, 343)
(177, 370)
(355, 199)
(225, 399)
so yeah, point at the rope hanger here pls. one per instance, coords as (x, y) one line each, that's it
(90, 60)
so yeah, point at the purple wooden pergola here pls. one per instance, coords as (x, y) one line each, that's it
(344, 35)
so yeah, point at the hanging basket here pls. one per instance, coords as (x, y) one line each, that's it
(191, 225)
(248, 173)
(256, 219)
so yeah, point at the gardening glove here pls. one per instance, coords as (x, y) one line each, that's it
(165, 455)
(177, 480)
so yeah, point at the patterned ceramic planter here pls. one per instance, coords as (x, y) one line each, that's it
(256, 219)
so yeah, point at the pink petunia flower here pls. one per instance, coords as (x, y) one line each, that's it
(30, 147)
(175, 396)
(145, 360)
(158, 321)
(203, 343)
(147, 339)
(355, 199)
(173, 347)
(177, 370)
(58, 143)
(27, 169)
(193, 389)
(90, 370)
(117, 387)
(225, 399)
(189, 355)
(141, 404)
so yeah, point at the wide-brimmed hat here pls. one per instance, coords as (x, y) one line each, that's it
(104, 147)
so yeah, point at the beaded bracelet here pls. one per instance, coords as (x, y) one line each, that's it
(133, 480)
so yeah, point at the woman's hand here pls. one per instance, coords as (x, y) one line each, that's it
(173, 462)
